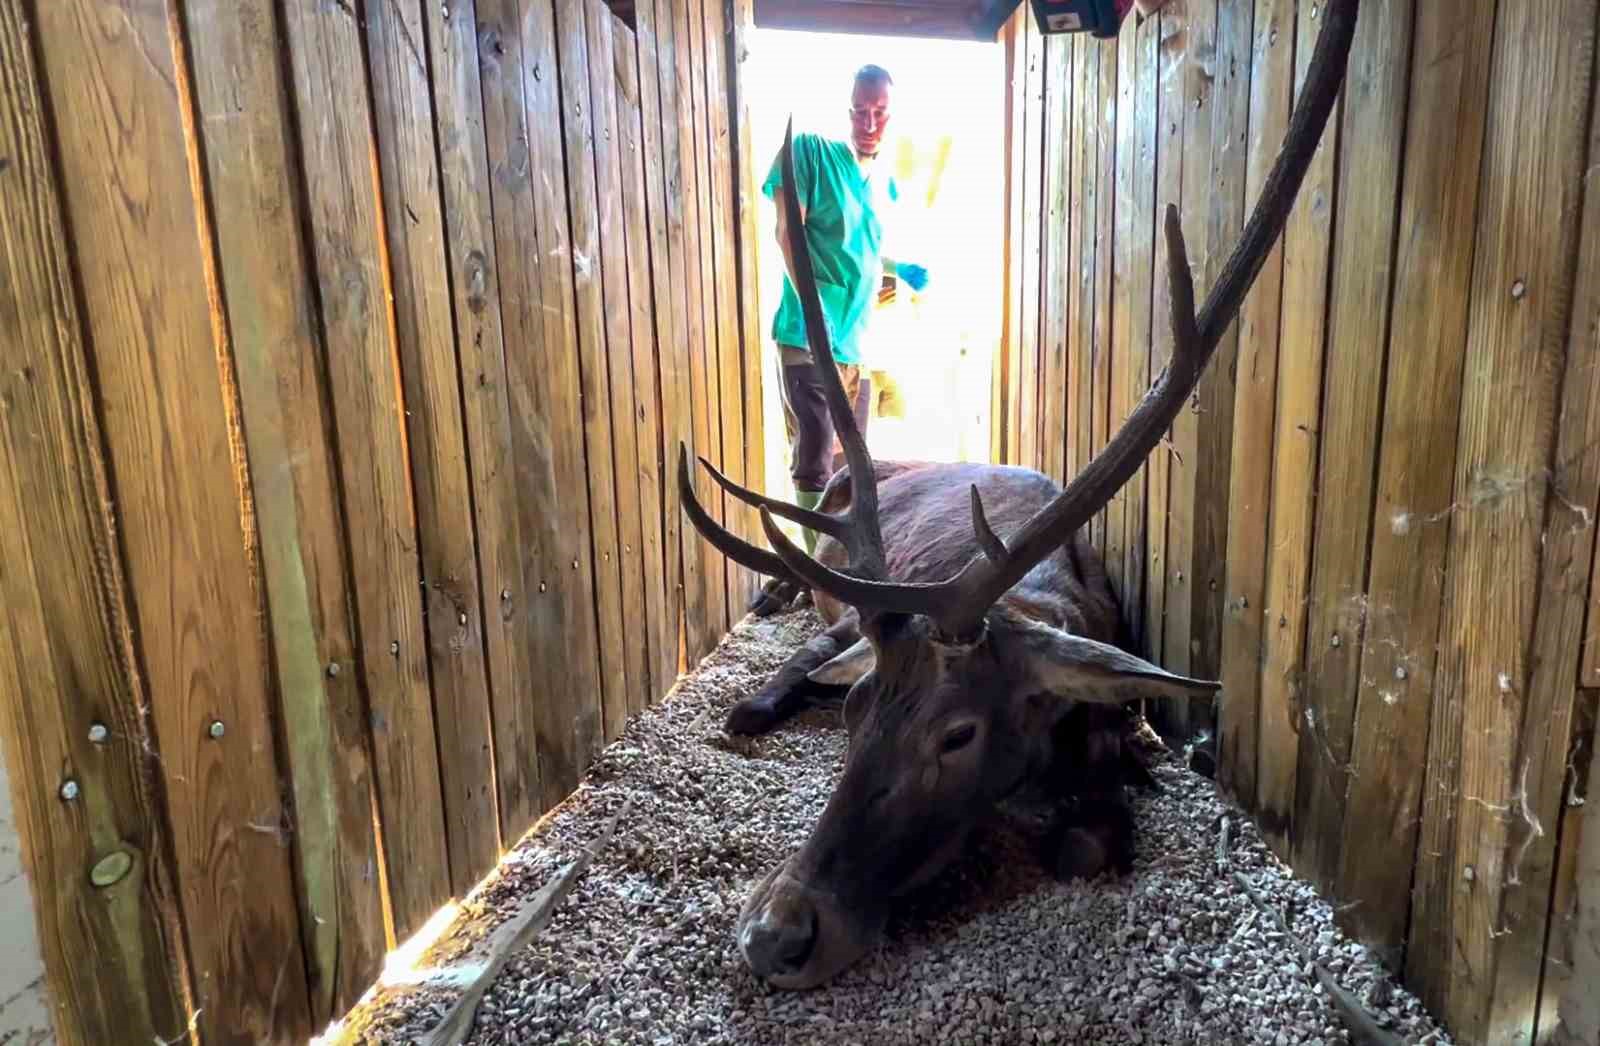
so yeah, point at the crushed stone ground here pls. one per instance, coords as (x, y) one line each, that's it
(993, 951)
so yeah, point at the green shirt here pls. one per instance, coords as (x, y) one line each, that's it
(844, 234)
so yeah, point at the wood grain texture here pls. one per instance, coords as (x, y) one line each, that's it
(346, 233)
(1255, 398)
(1058, 177)
(1447, 99)
(704, 387)
(659, 125)
(1568, 1002)
(582, 249)
(617, 359)
(645, 410)
(1008, 409)
(1079, 260)
(1192, 28)
(741, 583)
(408, 163)
(1104, 268)
(1166, 174)
(242, 108)
(66, 660)
(1364, 244)
(683, 245)
(1134, 362)
(1569, 314)
(1306, 259)
(473, 270)
(525, 140)
(1121, 292)
(1031, 325)
(1222, 87)
(161, 367)
(740, 20)
(1485, 774)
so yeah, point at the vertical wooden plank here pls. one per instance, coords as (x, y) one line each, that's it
(1131, 353)
(1172, 42)
(1079, 261)
(704, 388)
(699, 559)
(1481, 765)
(1572, 960)
(1033, 203)
(1058, 199)
(1008, 380)
(740, 15)
(646, 408)
(582, 246)
(1306, 242)
(242, 103)
(1120, 289)
(345, 223)
(523, 115)
(1571, 305)
(724, 238)
(66, 660)
(1447, 105)
(1195, 24)
(665, 268)
(474, 274)
(436, 438)
(617, 359)
(1105, 277)
(1226, 135)
(1374, 115)
(132, 187)
(1255, 396)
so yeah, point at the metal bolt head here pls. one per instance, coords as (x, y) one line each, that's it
(216, 729)
(505, 595)
(1468, 874)
(1335, 640)
(394, 649)
(461, 619)
(1518, 290)
(333, 668)
(541, 586)
(69, 789)
(98, 734)
(1400, 672)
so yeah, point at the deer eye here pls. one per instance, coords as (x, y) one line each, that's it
(960, 737)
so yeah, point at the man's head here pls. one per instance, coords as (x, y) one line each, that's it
(869, 109)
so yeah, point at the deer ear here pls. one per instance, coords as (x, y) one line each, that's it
(846, 669)
(1072, 666)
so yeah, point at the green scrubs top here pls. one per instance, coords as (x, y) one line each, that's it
(844, 234)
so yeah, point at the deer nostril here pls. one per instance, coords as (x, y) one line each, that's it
(878, 797)
(779, 947)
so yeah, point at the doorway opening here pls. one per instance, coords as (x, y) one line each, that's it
(932, 353)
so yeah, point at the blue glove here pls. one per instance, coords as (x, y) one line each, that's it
(915, 275)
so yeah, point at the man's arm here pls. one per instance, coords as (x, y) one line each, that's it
(779, 194)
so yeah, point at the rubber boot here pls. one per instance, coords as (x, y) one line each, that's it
(808, 499)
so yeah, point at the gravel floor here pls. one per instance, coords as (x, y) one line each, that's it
(993, 951)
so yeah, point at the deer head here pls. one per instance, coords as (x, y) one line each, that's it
(953, 699)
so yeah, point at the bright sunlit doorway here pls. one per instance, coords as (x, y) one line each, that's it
(946, 149)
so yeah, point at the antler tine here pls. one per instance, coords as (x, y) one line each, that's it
(983, 580)
(818, 521)
(736, 549)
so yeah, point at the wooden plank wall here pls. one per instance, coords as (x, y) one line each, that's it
(1376, 522)
(349, 347)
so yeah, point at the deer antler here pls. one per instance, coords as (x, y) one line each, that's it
(958, 605)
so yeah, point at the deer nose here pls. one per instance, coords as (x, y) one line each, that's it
(777, 946)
